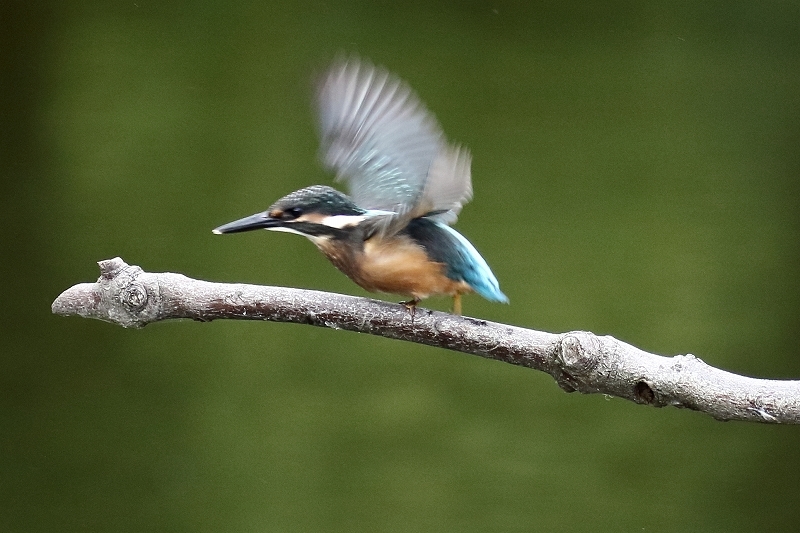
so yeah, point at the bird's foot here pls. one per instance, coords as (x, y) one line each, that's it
(411, 307)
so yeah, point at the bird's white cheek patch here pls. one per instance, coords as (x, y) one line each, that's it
(343, 221)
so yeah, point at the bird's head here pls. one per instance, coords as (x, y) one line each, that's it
(316, 212)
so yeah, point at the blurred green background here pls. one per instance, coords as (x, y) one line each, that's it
(636, 173)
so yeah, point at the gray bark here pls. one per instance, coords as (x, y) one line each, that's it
(578, 360)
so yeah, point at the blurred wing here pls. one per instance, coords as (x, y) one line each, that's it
(449, 184)
(379, 137)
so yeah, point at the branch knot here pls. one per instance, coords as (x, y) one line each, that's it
(577, 356)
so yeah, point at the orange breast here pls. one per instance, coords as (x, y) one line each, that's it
(396, 266)
(402, 267)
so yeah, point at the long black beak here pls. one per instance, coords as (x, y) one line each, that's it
(257, 221)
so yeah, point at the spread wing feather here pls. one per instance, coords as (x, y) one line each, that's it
(378, 137)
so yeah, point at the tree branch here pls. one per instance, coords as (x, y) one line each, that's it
(578, 360)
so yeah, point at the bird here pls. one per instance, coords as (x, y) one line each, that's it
(407, 185)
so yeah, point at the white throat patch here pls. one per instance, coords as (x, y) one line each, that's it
(286, 230)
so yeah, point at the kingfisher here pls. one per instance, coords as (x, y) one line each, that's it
(407, 185)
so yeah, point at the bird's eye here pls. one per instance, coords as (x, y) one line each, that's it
(292, 213)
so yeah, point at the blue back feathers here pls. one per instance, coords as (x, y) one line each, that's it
(445, 245)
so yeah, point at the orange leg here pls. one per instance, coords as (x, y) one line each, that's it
(457, 303)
